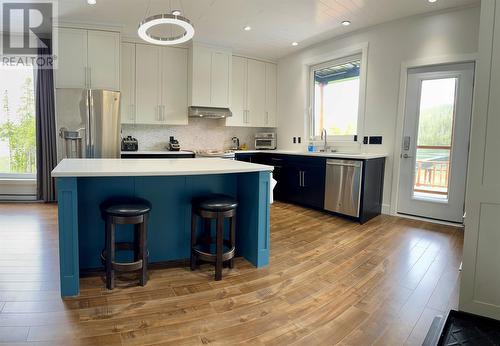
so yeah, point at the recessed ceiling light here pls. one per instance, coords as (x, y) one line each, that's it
(295, 44)
(346, 23)
(91, 2)
(247, 28)
(432, 1)
(176, 12)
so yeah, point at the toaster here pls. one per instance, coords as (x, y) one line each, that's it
(130, 143)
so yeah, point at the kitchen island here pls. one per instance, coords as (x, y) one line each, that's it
(170, 185)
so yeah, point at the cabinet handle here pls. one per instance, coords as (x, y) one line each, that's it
(267, 118)
(157, 113)
(303, 179)
(163, 113)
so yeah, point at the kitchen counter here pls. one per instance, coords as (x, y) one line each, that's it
(169, 185)
(153, 167)
(339, 155)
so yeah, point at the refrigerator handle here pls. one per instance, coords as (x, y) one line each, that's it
(91, 124)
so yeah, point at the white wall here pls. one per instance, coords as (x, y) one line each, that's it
(391, 44)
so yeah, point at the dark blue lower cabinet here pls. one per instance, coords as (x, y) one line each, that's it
(301, 180)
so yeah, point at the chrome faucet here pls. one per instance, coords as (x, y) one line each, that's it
(324, 136)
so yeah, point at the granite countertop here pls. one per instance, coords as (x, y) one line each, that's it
(153, 167)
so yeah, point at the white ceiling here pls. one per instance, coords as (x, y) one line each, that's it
(275, 23)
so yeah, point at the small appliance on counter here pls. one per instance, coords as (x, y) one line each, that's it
(173, 144)
(130, 143)
(235, 143)
(265, 140)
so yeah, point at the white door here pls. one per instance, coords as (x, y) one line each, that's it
(147, 84)
(239, 93)
(72, 59)
(174, 90)
(104, 60)
(436, 142)
(256, 92)
(271, 94)
(128, 83)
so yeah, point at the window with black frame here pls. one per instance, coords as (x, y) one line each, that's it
(335, 99)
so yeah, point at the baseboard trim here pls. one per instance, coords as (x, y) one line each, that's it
(386, 209)
(439, 222)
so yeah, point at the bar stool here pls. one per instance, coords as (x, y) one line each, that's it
(125, 212)
(218, 207)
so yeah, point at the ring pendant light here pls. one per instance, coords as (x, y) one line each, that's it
(163, 19)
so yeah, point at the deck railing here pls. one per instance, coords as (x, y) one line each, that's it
(432, 174)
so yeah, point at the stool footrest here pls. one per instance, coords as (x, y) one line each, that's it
(211, 257)
(124, 266)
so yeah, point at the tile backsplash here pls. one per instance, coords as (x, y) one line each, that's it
(199, 134)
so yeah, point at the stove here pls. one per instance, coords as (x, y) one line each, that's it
(221, 154)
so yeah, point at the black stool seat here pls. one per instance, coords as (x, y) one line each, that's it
(127, 209)
(216, 202)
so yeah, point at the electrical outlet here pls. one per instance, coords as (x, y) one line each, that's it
(294, 140)
(375, 140)
(300, 140)
(365, 140)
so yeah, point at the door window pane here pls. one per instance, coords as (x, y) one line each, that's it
(336, 98)
(435, 135)
(17, 122)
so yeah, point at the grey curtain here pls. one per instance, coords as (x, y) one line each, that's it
(46, 153)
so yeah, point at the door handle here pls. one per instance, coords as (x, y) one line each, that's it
(406, 156)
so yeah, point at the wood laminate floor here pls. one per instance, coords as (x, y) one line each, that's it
(330, 281)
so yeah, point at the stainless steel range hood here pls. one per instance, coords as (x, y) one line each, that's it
(209, 112)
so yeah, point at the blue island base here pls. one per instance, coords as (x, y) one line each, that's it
(81, 227)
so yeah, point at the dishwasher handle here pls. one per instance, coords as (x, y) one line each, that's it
(343, 163)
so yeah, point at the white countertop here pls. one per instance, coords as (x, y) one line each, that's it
(153, 167)
(156, 152)
(340, 155)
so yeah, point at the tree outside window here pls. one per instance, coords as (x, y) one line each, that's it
(17, 122)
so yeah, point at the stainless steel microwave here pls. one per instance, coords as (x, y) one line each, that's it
(265, 140)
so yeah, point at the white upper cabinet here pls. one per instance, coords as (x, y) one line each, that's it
(174, 85)
(128, 83)
(88, 59)
(239, 93)
(147, 84)
(253, 93)
(104, 59)
(271, 94)
(161, 85)
(72, 71)
(210, 76)
(256, 92)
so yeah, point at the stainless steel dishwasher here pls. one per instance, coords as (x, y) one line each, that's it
(343, 186)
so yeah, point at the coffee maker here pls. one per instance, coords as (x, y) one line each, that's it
(173, 144)
(235, 143)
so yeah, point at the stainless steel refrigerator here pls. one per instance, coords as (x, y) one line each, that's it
(88, 123)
